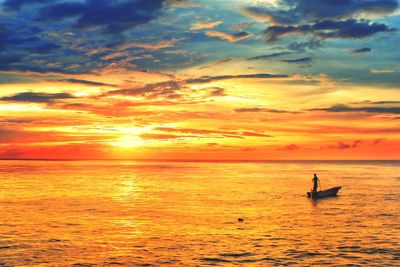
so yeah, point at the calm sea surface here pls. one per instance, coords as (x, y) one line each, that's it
(131, 213)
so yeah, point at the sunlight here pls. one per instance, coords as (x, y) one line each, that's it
(129, 141)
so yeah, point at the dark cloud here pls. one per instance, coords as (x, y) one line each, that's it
(15, 5)
(7, 134)
(206, 79)
(302, 46)
(361, 50)
(26, 67)
(382, 102)
(350, 28)
(267, 110)
(298, 60)
(272, 55)
(27, 48)
(84, 82)
(110, 16)
(343, 145)
(339, 145)
(339, 9)
(368, 109)
(36, 97)
(217, 91)
(300, 11)
(6, 60)
(25, 39)
(168, 89)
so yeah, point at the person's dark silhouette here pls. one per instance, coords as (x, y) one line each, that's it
(316, 181)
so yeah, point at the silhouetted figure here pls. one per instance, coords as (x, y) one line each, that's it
(316, 181)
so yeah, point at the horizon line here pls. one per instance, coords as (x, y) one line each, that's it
(192, 160)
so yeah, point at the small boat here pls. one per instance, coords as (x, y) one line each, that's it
(332, 192)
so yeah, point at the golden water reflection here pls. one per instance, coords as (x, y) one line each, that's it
(105, 213)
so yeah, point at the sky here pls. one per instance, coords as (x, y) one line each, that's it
(200, 79)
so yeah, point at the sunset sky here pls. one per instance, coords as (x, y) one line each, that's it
(200, 79)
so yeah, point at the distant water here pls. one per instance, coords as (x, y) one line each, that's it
(131, 213)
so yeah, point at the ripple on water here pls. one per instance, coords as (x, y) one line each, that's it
(210, 259)
(237, 255)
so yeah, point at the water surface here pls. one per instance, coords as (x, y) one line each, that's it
(132, 213)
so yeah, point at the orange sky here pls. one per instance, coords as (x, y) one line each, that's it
(204, 87)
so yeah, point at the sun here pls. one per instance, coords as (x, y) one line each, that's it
(128, 141)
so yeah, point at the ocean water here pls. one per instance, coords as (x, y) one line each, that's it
(142, 213)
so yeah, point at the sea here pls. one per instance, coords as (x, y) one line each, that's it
(217, 213)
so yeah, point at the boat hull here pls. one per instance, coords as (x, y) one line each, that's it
(332, 192)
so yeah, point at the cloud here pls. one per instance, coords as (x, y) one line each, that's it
(194, 131)
(205, 25)
(269, 56)
(148, 46)
(219, 62)
(212, 133)
(182, 3)
(206, 79)
(338, 145)
(110, 16)
(356, 143)
(255, 134)
(349, 29)
(368, 109)
(343, 145)
(216, 91)
(361, 50)
(321, 9)
(385, 71)
(266, 110)
(160, 136)
(26, 39)
(16, 5)
(291, 147)
(248, 149)
(242, 25)
(36, 97)
(28, 48)
(271, 15)
(378, 141)
(170, 90)
(298, 60)
(232, 38)
(323, 19)
(380, 102)
(296, 12)
(301, 46)
(84, 82)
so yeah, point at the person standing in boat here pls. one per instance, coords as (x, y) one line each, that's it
(316, 181)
